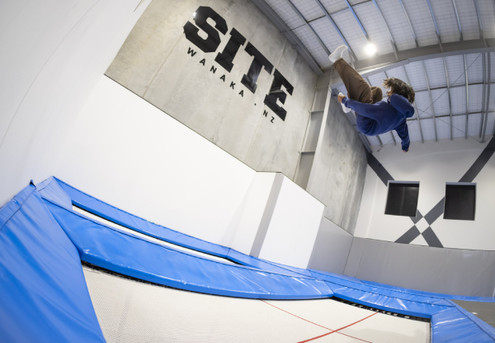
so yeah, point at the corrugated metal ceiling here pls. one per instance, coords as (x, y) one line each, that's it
(444, 48)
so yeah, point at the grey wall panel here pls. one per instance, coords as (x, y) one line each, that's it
(188, 81)
(331, 248)
(450, 271)
(339, 169)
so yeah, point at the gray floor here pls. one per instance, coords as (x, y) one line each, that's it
(484, 311)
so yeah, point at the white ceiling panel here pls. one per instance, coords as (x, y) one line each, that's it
(469, 19)
(375, 26)
(399, 73)
(440, 101)
(352, 32)
(455, 70)
(492, 68)
(309, 9)
(416, 74)
(458, 99)
(490, 127)
(333, 6)
(422, 22)
(423, 104)
(474, 125)
(286, 13)
(377, 80)
(328, 33)
(487, 10)
(435, 70)
(475, 98)
(397, 21)
(428, 129)
(444, 130)
(491, 102)
(444, 14)
(414, 130)
(305, 34)
(459, 126)
(475, 67)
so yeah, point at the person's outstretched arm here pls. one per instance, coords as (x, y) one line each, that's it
(366, 110)
(403, 133)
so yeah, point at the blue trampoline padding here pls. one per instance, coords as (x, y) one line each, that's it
(125, 254)
(43, 294)
(61, 193)
(458, 325)
(383, 296)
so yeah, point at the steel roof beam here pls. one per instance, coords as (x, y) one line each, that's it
(391, 133)
(416, 108)
(450, 100)
(480, 23)
(309, 25)
(357, 19)
(431, 102)
(447, 115)
(437, 31)
(392, 41)
(387, 61)
(289, 34)
(466, 76)
(410, 24)
(451, 87)
(458, 19)
(329, 17)
(487, 96)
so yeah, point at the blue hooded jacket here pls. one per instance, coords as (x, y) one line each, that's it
(383, 116)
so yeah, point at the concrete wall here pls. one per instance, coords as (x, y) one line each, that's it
(339, 167)
(160, 63)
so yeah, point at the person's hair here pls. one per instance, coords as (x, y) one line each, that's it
(398, 86)
(376, 94)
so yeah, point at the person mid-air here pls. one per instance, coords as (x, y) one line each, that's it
(375, 116)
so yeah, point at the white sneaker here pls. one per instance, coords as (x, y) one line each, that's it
(337, 53)
(344, 107)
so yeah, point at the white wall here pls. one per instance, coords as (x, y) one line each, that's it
(53, 54)
(130, 154)
(293, 226)
(432, 164)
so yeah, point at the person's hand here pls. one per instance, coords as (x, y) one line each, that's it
(340, 97)
(406, 150)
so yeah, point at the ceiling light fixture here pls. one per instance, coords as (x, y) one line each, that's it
(370, 49)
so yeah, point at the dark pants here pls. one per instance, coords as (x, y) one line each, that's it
(357, 88)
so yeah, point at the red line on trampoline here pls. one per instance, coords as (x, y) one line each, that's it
(342, 328)
(324, 327)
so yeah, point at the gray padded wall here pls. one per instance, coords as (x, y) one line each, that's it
(331, 248)
(450, 271)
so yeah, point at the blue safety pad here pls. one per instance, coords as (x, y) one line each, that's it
(126, 254)
(133, 256)
(43, 294)
(458, 325)
(384, 297)
(59, 192)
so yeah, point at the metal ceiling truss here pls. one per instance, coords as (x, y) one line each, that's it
(382, 63)
(289, 34)
(431, 102)
(334, 24)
